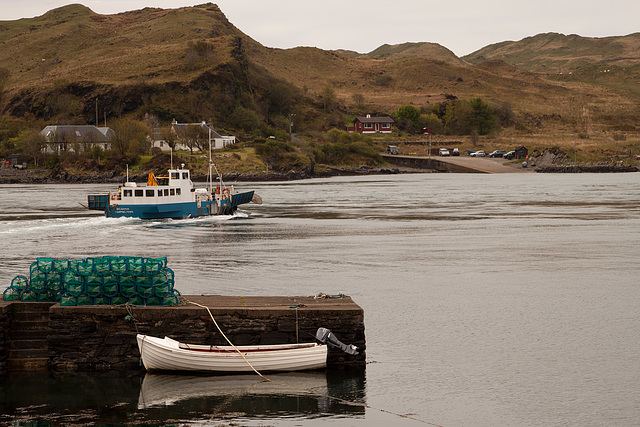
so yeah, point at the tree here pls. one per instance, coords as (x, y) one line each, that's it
(280, 97)
(130, 135)
(457, 118)
(328, 96)
(482, 118)
(244, 118)
(408, 117)
(33, 145)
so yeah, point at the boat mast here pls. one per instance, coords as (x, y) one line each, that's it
(210, 163)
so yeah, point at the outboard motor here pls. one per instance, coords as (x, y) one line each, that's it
(325, 336)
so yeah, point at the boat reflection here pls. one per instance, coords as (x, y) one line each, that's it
(297, 394)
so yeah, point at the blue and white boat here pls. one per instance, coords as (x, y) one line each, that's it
(172, 196)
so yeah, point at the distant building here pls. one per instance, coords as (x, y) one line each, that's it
(521, 152)
(77, 138)
(193, 134)
(370, 124)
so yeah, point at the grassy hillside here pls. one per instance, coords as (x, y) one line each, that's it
(558, 53)
(192, 64)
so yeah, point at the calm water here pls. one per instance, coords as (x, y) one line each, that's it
(489, 299)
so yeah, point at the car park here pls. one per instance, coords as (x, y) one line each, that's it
(510, 155)
(444, 152)
(497, 153)
(478, 154)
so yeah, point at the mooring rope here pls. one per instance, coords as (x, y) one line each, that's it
(228, 340)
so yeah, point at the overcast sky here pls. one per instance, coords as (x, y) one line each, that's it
(462, 26)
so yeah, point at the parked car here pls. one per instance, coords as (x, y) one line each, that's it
(392, 149)
(478, 154)
(497, 153)
(455, 152)
(444, 152)
(510, 155)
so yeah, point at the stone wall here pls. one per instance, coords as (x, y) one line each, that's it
(88, 338)
(5, 324)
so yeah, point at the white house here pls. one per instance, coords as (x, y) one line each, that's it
(194, 134)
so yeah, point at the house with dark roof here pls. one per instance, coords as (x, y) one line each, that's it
(77, 138)
(368, 124)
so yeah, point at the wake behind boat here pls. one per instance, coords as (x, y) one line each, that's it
(171, 196)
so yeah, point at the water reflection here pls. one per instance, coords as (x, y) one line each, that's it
(117, 398)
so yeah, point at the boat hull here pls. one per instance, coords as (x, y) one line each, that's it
(159, 354)
(169, 210)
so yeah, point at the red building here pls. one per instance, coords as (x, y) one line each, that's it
(370, 124)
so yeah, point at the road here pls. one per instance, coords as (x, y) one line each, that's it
(486, 164)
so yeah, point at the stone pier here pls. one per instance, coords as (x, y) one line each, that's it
(101, 338)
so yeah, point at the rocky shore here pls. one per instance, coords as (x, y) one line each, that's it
(56, 176)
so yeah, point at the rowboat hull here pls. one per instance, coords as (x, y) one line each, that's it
(169, 355)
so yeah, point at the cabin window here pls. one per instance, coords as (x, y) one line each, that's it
(175, 175)
(159, 193)
(149, 193)
(172, 192)
(368, 125)
(139, 193)
(178, 191)
(127, 193)
(185, 175)
(166, 191)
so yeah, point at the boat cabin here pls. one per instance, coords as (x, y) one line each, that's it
(176, 184)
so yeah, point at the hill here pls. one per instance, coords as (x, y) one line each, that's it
(192, 64)
(559, 53)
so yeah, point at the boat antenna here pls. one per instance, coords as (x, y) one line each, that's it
(127, 172)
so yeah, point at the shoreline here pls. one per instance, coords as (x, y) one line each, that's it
(51, 176)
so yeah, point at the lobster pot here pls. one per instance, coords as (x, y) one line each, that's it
(163, 277)
(136, 299)
(102, 266)
(119, 265)
(84, 268)
(119, 299)
(102, 300)
(60, 265)
(37, 275)
(44, 264)
(143, 280)
(135, 268)
(127, 279)
(68, 299)
(93, 289)
(46, 296)
(127, 290)
(153, 300)
(162, 290)
(54, 280)
(170, 299)
(74, 288)
(29, 295)
(145, 291)
(20, 282)
(84, 299)
(94, 278)
(110, 289)
(11, 294)
(37, 285)
(155, 265)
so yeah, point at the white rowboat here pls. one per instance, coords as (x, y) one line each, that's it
(166, 354)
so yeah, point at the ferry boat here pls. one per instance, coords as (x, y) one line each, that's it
(172, 196)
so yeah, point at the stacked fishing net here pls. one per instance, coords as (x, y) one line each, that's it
(97, 281)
